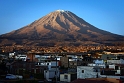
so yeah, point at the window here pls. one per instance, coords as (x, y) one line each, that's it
(66, 76)
(116, 67)
(107, 66)
(82, 71)
(96, 70)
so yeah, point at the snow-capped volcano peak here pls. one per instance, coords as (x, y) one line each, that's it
(61, 10)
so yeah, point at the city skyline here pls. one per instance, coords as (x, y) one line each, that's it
(105, 15)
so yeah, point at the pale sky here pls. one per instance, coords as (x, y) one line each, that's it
(104, 14)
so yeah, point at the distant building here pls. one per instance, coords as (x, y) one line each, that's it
(65, 61)
(116, 61)
(21, 57)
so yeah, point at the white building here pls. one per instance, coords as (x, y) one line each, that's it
(21, 57)
(52, 71)
(50, 65)
(86, 72)
(11, 55)
(97, 62)
(116, 61)
(115, 67)
(67, 77)
(49, 74)
(46, 56)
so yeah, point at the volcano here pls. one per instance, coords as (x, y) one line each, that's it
(60, 28)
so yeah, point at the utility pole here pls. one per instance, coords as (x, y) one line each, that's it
(56, 68)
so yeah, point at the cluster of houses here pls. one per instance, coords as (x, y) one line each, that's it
(66, 67)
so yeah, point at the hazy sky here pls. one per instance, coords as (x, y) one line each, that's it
(104, 14)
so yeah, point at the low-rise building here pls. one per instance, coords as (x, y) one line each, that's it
(87, 72)
(52, 70)
(67, 77)
(115, 61)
